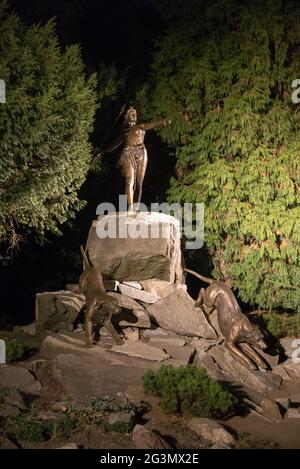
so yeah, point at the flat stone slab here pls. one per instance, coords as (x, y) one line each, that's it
(133, 314)
(183, 354)
(177, 313)
(210, 430)
(157, 332)
(20, 378)
(60, 343)
(165, 341)
(202, 345)
(141, 350)
(293, 413)
(136, 294)
(133, 284)
(161, 288)
(86, 375)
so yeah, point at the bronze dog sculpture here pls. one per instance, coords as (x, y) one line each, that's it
(234, 325)
(97, 300)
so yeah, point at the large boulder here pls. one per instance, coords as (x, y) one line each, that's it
(177, 313)
(143, 246)
(141, 350)
(56, 311)
(210, 430)
(12, 376)
(145, 438)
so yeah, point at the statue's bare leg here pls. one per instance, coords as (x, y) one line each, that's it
(128, 172)
(140, 174)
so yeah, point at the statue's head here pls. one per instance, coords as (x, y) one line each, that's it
(131, 115)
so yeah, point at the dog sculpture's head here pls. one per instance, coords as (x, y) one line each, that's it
(256, 338)
(112, 305)
(106, 309)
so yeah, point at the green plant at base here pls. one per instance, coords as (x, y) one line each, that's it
(63, 427)
(282, 325)
(118, 427)
(14, 349)
(189, 388)
(26, 428)
(110, 405)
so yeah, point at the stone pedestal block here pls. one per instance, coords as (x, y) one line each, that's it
(138, 247)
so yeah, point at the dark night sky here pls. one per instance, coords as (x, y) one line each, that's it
(114, 31)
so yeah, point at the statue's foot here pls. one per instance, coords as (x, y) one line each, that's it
(131, 213)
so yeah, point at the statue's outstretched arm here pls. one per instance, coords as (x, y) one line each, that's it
(152, 125)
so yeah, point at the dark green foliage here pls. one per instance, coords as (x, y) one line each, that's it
(189, 389)
(111, 405)
(282, 325)
(26, 428)
(63, 427)
(14, 349)
(44, 128)
(223, 74)
(118, 427)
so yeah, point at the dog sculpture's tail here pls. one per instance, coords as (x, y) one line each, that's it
(201, 277)
(86, 262)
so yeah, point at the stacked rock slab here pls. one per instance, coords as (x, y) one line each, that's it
(139, 247)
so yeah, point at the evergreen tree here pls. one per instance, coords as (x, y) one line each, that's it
(223, 74)
(44, 128)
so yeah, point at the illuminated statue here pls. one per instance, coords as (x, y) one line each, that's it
(133, 159)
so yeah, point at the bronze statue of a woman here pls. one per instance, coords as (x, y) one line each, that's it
(133, 159)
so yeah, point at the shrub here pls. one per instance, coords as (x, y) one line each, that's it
(282, 325)
(14, 349)
(118, 427)
(26, 428)
(189, 388)
(63, 427)
(110, 405)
